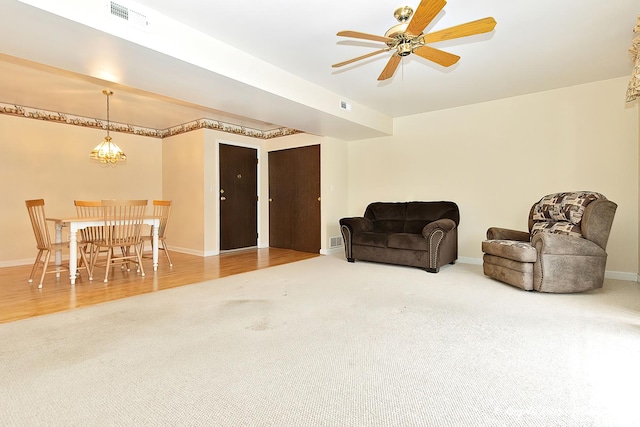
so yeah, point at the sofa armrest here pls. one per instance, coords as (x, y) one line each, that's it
(349, 226)
(357, 223)
(442, 237)
(497, 233)
(443, 224)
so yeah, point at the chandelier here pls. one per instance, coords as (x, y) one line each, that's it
(108, 152)
(633, 89)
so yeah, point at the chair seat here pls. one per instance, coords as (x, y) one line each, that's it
(510, 249)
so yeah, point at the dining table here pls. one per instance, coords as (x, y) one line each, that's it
(80, 223)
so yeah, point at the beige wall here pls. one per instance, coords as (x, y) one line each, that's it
(334, 188)
(183, 184)
(51, 161)
(495, 159)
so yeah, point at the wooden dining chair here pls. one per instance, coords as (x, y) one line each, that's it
(43, 241)
(89, 235)
(162, 209)
(122, 224)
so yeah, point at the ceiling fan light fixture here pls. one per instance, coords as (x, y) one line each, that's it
(403, 13)
(107, 152)
(405, 48)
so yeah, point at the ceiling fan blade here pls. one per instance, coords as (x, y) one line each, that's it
(463, 30)
(340, 64)
(426, 11)
(365, 36)
(438, 56)
(390, 68)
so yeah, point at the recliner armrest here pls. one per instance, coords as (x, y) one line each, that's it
(443, 224)
(357, 223)
(497, 233)
(560, 244)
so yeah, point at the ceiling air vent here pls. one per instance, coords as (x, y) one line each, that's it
(123, 12)
(344, 105)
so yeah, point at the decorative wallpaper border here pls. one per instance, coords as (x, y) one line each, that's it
(51, 116)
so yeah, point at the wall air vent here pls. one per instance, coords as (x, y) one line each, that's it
(335, 242)
(123, 12)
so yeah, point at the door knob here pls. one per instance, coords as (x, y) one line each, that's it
(223, 198)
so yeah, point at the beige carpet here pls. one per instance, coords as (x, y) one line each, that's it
(323, 342)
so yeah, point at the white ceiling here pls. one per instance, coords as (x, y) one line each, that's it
(537, 45)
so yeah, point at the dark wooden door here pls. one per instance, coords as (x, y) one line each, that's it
(294, 199)
(238, 197)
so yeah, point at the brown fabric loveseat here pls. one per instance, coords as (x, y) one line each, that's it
(416, 234)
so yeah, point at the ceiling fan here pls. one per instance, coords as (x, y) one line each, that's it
(406, 37)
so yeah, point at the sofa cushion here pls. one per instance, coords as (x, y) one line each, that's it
(370, 238)
(410, 241)
(388, 226)
(431, 211)
(511, 249)
(378, 211)
(414, 226)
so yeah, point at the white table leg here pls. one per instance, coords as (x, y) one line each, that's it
(58, 251)
(154, 232)
(73, 255)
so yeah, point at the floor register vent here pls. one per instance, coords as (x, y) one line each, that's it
(335, 242)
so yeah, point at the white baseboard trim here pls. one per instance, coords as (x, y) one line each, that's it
(16, 262)
(621, 275)
(332, 251)
(467, 260)
(193, 251)
(608, 274)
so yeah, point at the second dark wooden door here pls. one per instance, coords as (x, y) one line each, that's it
(294, 199)
(238, 197)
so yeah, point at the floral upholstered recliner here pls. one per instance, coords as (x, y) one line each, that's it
(564, 250)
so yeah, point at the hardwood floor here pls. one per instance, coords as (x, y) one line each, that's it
(20, 299)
